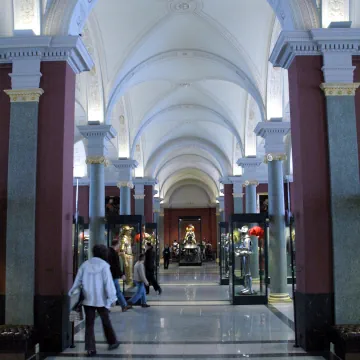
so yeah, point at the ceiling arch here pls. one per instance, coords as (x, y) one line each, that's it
(213, 116)
(156, 158)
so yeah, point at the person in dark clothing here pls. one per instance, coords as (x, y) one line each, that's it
(150, 269)
(117, 273)
(166, 255)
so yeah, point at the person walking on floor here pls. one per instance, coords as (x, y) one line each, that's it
(140, 282)
(166, 255)
(150, 269)
(117, 274)
(96, 283)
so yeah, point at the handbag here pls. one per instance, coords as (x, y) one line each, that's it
(76, 313)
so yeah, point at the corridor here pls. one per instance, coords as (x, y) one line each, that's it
(193, 319)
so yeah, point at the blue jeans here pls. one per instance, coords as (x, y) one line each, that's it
(140, 293)
(119, 293)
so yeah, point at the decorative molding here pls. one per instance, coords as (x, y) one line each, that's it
(128, 184)
(97, 131)
(97, 160)
(238, 195)
(314, 42)
(145, 181)
(125, 164)
(185, 6)
(250, 182)
(339, 89)
(274, 157)
(251, 163)
(26, 95)
(48, 48)
(139, 197)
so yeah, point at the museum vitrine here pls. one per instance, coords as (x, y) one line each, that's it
(128, 230)
(191, 246)
(78, 243)
(248, 276)
(151, 235)
(290, 249)
(224, 237)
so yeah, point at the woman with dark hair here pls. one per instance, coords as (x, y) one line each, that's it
(96, 283)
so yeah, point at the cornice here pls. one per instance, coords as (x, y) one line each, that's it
(26, 95)
(125, 163)
(128, 184)
(274, 157)
(145, 181)
(139, 197)
(339, 89)
(48, 48)
(250, 183)
(314, 42)
(249, 162)
(238, 195)
(272, 127)
(94, 131)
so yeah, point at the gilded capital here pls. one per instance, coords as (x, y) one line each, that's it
(139, 197)
(97, 160)
(274, 157)
(250, 182)
(26, 95)
(128, 184)
(339, 89)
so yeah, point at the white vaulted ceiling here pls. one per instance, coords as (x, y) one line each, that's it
(185, 73)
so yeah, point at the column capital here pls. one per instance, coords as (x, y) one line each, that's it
(225, 180)
(249, 162)
(314, 42)
(238, 195)
(251, 183)
(128, 184)
(97, 160)
(25, 95)
(237, 182)
(139, 196)
(339, 89)
(125, 167)
(47, 48)
(273, 132)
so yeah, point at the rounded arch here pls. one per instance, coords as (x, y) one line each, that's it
(230, 72)
(155, 117)
(156, 157)
(67, 17)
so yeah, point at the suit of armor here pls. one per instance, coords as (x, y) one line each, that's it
(127, 255)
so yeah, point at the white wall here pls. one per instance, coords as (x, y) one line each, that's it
(189, 196)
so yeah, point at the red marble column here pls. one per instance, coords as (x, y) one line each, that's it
(54, 205)
(356, 62)
(5, 83)
(228, 201)
(314, 296)
(149, 203)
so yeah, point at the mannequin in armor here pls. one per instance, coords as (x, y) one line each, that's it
(190, 240)
(126, 250)
(244, 250)
(225, 240)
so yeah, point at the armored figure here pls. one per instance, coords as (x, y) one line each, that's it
(126, 252)
(190, 240)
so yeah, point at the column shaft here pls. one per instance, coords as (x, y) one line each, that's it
(228, 201)
(125, 202)
(344, 168)
(238, 205)
(277, 246)
(251, 199)
(20, 232)
(139, 206)
(97, 205)
(149, 203)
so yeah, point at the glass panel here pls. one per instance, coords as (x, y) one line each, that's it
(249, 259)
(224, 253)
(150, 235)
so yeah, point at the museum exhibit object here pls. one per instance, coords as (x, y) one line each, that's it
(78, 243)
(243, 291)
(190, 250)
(128, 230)
(224, 237)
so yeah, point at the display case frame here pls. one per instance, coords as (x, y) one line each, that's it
(224, 252)
(239, 274)
(153, 229)
(78, 231)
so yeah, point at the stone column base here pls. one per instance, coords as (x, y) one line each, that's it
(279, 298)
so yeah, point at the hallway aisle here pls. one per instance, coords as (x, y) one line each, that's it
(195, 332)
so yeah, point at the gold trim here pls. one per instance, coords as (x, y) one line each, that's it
(128, 184)
(279, 298)
(250, 182)
(97, 160)
(274, 157)
(25, 95)
(339, 89)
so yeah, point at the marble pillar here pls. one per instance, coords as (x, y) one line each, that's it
(344, 194)
(21, 207)
(273, 132)
(161, 232)
(139, 204)
(98, 137)
(238, 194)
(238, 203)
(125, 168)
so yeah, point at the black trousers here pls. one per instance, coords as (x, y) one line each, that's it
(152, 281)
(109, 332)
(166, 262)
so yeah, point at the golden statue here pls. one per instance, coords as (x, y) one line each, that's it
(190, 240)
(126, 252)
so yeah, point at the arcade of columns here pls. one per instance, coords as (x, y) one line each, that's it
(36, 87)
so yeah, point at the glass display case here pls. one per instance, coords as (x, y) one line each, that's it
(192, 248)
(151, 236)
(128, 230)
(78, 243)
(248, 277)
(290, 250)
(224, 244)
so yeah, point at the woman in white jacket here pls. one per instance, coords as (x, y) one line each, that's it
(95, 280)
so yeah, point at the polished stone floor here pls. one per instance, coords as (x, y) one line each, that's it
(193, 319)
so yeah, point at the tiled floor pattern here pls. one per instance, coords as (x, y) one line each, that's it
(192, 319)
